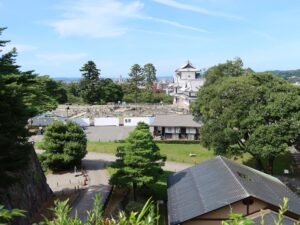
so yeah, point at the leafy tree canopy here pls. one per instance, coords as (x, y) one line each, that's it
(232, 68)
(256, 113)
(53, 88)
(110, 91)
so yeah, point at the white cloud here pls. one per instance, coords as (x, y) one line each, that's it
(194, 8)
(61, 57)
(93, 18)
(172, 23)
(104, 18)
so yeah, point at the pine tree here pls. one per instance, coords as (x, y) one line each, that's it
(65, 145)
(139, 160)
(149, 72)
(21, 97)
(90, 71)
(90, 89)
(136, 79)
(8, 60)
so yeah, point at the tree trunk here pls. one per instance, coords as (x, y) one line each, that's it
(271, 163)
(136, 92)
(134, 186)
(259, 164)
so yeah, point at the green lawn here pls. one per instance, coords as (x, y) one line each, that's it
(174, 152)
(181, 152)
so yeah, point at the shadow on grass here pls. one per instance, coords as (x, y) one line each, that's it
(158, 190)
(281, 163)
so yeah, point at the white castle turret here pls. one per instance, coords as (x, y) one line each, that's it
(186, 82)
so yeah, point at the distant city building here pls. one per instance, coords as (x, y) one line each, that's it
(163, 85)
(186, 82)
(120, 80)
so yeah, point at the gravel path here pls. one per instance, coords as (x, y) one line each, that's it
(98, 183)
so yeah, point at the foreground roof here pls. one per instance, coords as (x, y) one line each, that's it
(175, 120)
(219, 182)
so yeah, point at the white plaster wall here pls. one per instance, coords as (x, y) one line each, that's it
(106, 121)
(188, 75)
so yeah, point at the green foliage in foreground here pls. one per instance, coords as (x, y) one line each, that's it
(7, 215)
(65, 146)
(146, 216)
(238, 219)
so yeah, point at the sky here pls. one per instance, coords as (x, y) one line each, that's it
(56, 37)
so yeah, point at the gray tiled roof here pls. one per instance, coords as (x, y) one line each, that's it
(219, 182)
(175, 120)
(41, 121)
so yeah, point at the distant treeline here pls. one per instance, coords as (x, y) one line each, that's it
(290, 75)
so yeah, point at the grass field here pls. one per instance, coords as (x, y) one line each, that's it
(181, 152)
(174, 152)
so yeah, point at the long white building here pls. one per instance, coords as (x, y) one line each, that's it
(186, 82)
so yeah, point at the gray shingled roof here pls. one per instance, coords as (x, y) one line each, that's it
(175, 120)
(41, 121)
(219, 182)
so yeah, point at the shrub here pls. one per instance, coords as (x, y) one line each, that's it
(178, 141)
(65, 146)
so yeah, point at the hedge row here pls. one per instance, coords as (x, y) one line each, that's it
(171, 141)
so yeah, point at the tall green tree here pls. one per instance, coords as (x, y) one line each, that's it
(90, 71)
(139, 160)
(64, 144)
(136, 79)
(90, 83)
(256, 113)
(21, 97)
(149, 72)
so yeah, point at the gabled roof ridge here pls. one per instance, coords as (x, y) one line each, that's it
(231, 172)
